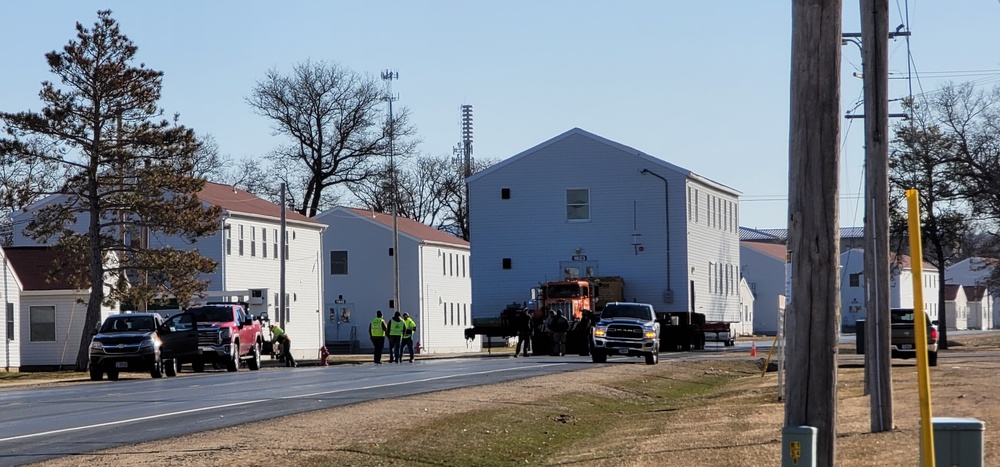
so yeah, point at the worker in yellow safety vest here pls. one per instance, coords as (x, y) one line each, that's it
(396, 327)
(409, 327)
(377, 332)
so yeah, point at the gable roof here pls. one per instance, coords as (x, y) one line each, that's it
(896, 259)
(406, 226)
(231, 199)
(32, 265)
(621, 147)
(975, 293)
(781, 235)
(951, 291)
(776, 250)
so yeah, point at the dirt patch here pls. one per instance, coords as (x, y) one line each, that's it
(736, 424)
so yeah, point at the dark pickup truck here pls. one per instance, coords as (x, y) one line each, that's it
(904, 335)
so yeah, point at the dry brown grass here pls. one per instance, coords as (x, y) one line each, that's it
(736, 423)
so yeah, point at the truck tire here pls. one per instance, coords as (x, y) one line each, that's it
(932, 358)
(96, 374)
(598, 356)
(157, 370)
(233, 364)
(253, 363)
(653, 358)
(170, 367)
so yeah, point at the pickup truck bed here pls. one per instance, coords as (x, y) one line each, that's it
(904, 336)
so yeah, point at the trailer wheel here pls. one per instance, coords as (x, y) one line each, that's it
(598, 357)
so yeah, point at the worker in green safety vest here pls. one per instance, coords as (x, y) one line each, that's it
(409, 327)
(376, 331)
(396, 327)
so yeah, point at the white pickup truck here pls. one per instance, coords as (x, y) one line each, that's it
(626, 328)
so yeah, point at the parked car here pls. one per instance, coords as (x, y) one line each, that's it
(903, 339)
(136, 342)
(227, 336)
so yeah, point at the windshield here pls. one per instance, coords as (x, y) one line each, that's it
(128, 324)
(906, 316)
(562, 291)
(212, 314)
(627, 311)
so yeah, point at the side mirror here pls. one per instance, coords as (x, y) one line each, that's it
(248, 321)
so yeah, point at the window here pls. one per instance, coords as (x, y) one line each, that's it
(452, 314)
(505, 193)
(286, 244)
(338, 263)
(696, 195)
(444, 264)
(42, 323)
(855, 280)
(10, 321)
(274, 242)
(240, 247)
(463, 265)
(578, 204)
(690, 204)
(229, 239)
(253, 241)
(506, 263)
(451, 264)
(465, 314)
(263, 242)
(445, 310)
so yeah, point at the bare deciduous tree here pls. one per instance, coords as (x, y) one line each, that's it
(335, 119)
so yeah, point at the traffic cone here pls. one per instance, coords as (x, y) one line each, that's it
(753, 348)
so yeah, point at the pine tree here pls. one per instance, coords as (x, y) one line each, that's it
(127, 177)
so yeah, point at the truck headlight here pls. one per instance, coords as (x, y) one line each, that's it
(149, 344)
(96, 345)
(599, 332)
(226, 334)
(650, 334)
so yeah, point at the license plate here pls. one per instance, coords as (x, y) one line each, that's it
(121, 364)
(623, 351)
(907, 346)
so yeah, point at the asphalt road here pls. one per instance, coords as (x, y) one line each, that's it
(40, 423)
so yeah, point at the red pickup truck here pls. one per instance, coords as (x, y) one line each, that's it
(227, 336)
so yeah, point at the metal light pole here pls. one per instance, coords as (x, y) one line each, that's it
(388, 76)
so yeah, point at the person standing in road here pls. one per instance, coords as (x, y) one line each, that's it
(559, 327)
(409, 327)
(523, 326)
(376, 331)
(280, 337)
(396, 327)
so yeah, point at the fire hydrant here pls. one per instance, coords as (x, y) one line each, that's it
(323, 354)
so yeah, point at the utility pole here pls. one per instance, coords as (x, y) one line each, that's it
(282, 301)
(875, 69)
(813, 218)
(466, 150)
(388, 76)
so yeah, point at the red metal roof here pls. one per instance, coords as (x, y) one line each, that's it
(234, 200)
(412, 228)
(32, 265)
(777, 250)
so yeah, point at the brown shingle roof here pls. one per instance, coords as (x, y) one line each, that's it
(32, 265)
(232, 199)
(951, 291)
(777, 250)
(975, 293)
(412, 228)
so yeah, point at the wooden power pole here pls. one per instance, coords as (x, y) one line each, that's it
(813, 222)
(875, 67)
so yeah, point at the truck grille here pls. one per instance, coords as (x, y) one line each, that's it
(126, 348)
(208, 336)
(565, 308)
(619, 331)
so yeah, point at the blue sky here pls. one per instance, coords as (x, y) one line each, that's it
(703, 85)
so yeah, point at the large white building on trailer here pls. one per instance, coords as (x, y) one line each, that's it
(434, 280)
(580, 205)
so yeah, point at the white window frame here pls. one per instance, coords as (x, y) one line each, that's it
(577, 205)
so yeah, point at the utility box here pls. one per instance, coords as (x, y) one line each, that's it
(958, 442)
(798, 446)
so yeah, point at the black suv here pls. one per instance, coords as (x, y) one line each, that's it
(139, 342)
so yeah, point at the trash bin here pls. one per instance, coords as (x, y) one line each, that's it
(958, 442)
(859, 336)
